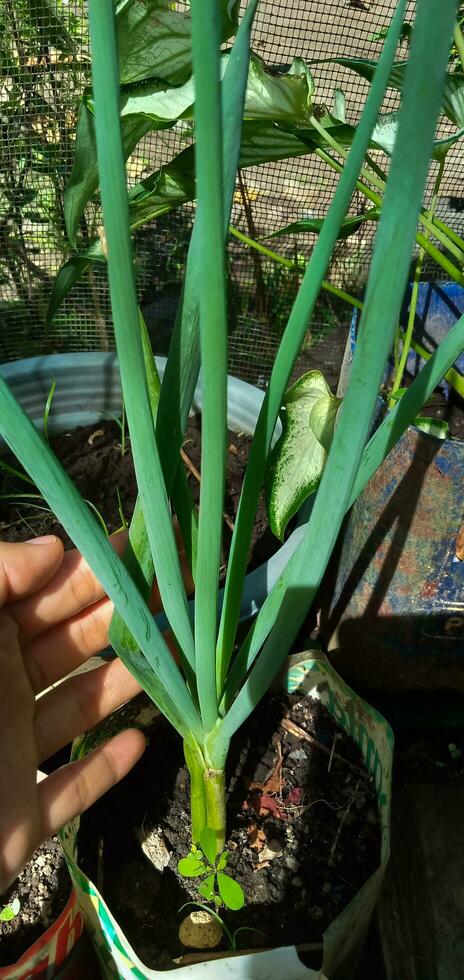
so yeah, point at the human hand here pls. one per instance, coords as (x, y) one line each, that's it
(54, 617)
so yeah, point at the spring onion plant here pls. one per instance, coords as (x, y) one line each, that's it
(213, 685)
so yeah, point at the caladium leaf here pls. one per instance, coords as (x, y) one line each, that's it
(384, 135)
(155, 40)
(296, 463)
(281, 97)
(453, 96)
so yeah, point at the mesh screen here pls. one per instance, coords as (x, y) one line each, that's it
(44, 54)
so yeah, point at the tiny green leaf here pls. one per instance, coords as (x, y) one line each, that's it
(297, 461)
(223, 861)
(208, 844)
(433, 427)
(231, 892)
(10, 911)
(206, 889)
(191, 867)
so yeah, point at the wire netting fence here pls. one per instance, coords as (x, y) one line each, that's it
(45, 67)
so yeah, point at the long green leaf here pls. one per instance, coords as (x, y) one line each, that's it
(391, 429)
(183, 365)
(387, 280)
(313, 226)
(180, 491)
(147, 464)
(84, 175)
(409, 406)
(213, 340)
(156, 670)
(289, 348)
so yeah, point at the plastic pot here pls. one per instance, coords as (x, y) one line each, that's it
(59, 953)
(88, 390)
(344, 938)
(393, 610)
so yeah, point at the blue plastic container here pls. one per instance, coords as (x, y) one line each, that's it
(393, 606)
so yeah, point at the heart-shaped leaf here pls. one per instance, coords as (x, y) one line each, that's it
(297, 460)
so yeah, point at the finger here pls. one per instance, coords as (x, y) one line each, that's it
(72, 789)
(79, 703)
(59, 651)
(72, 589)
(18, 757)
(27, 566)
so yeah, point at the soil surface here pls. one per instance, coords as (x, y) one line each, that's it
(94, 458)
(42, 888)
(304, 833)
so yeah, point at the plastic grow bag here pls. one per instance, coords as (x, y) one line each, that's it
(57, 953)
(343, 939)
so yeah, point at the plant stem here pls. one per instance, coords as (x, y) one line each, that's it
(459, 42)
(434, 253)
(415, 291)
(425, 218)
(207, 796)
(197, 792)
(290, 264)
(215, 792)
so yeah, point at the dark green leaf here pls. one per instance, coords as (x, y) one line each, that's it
(70, 273)
(230, 891)
(84, 176)
(313, 226)
(50, 28)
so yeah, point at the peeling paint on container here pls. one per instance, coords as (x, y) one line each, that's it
(393, 606)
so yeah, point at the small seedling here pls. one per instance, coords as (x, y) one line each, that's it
(48, 405)
(203, 862)
(123, 446)
(10, 911)
(454, 752)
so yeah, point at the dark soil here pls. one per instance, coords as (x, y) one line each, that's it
(93, 457)
(43, 888)
(304, 833)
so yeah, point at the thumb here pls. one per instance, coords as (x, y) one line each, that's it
(27, 566)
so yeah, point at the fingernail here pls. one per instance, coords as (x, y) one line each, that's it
(46, 539)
